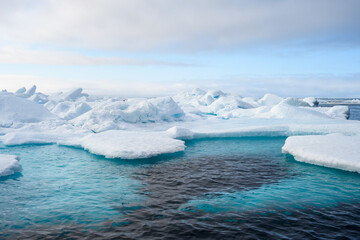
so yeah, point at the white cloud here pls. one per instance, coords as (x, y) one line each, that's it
(175, 24)
(12, 82)
(11, 55)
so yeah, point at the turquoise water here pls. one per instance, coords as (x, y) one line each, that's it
(60, 185)
(310, 186)
(216, 188)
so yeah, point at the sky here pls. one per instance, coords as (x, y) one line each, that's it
(161, 47)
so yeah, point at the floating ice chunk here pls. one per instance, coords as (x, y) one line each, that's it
(156, 109)
(251, 100)
(16, 109)
(270, 100)
(227, 103)
(39, 98)
(21, 90)
(355, 101)
(198, 92)
(71, 95)
(333, 150)
(50, 105)
(31, 91)
(61, 108)
(341, 112)
(294, 102)
(9, 164)
(77, 111)
(215, 94)
(115, 113)
(311, 101)
(207, 100)
(128, 144)
(180, 133)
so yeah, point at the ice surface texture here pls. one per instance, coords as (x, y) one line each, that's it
(17, 109)
(333, 150)
(9, 164)
(128, 144)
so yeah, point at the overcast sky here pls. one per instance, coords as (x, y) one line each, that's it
(158, 47)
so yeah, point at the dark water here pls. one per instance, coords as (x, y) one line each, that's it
(239, 188)
(354, 110)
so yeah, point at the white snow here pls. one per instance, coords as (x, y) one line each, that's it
(71, 95)
(180, 133)
(21, 90)
(311, 101)
(98, 123)
(128, 144)
(270, 100)
(17, 109)
(118, 114)
(9, 164)
(31, 91)
(333, 150)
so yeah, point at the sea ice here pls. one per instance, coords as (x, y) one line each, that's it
(270, 100)
(116, 114)
(311, 101)
(149, 126)
(17, 109)
(9, 164)
(128, 144)
(333, 150)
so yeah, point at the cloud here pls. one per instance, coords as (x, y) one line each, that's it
(11, 55)
(138, 25)
(12, 82)
(295, 85)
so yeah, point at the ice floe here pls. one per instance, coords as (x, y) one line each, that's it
(9, 164)
(128, 144)
(333, 150)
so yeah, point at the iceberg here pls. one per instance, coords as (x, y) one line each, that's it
(333, 150)
(9, 164)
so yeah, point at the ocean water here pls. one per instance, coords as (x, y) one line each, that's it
(234, 188)
(354, 112)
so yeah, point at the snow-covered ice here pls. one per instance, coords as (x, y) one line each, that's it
(333, 150)
(128, 144)
(144, 127)
(9, 164)
(17, 109)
